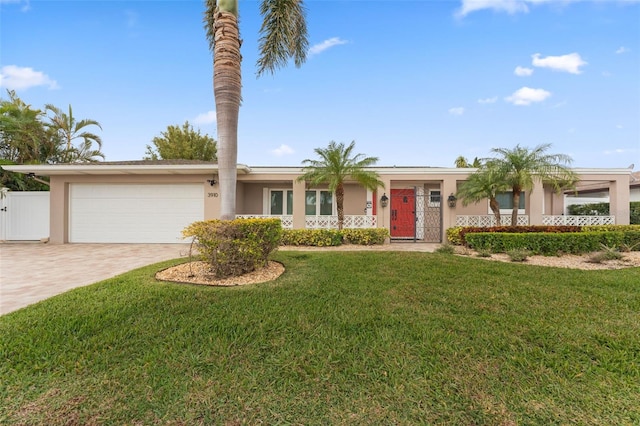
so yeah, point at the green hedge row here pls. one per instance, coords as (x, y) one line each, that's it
(551, 244)
(333, 237)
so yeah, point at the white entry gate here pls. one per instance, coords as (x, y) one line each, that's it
(24, 216)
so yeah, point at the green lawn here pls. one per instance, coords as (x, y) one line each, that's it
(340, 338)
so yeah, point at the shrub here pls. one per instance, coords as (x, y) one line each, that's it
(365, 236)
(517, 229)
(453, 235)
(518, 255)
(235, 247)
(446, 248)
(593, 209)
(311, 237)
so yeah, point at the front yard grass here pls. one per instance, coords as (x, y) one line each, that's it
(340, 338)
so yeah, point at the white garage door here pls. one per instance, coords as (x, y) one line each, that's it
(121, 213)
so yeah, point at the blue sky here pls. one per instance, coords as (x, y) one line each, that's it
(414, 83)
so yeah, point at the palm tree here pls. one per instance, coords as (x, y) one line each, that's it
(335, 166)
(520, 167)
(484, 183)
(283, 36)
(461, 162)
(66, 127)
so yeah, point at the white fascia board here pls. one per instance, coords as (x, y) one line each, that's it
(113, 169)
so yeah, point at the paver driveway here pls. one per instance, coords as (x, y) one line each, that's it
(30, 272)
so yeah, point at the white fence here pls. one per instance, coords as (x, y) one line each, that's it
(24, 216)
(322, 222)
(485, 221)
(578, 220)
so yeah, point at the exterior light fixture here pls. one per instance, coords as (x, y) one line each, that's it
(212, 181)
(384, 200)
(452, 200)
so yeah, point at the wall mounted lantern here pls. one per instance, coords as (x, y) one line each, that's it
(452, 200)
(212, 181)
(384, 200)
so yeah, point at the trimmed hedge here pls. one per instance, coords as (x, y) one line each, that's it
(365, 236)
(333, 237)
(548, 244)
(235, 247)
(311, 237)
(464, 231)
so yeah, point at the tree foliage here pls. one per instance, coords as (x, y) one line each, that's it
(336, 165)
(65, 129)
(182, 143)
(30, 136)
(520, 167)
(485, 183)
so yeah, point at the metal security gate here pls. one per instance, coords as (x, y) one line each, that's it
(415, 216)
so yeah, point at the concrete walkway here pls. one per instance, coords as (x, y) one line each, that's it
(31, 272)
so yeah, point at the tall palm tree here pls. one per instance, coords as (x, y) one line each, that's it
(484, 183)
(66, 127)
(335, 166)
(283, 36)
(520, 167)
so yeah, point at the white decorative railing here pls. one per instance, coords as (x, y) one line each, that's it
(578, 220)
(331, 222)
(287, 220)
(485, 221)
(321, 222)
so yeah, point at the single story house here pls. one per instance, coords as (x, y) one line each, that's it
(152, 201)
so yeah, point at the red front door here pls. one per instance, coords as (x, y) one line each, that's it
(403, 214)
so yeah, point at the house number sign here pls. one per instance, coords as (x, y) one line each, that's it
(212, 194)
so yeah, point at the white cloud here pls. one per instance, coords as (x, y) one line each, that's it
(14, 77)
(456, 111)
(622, 49)
(488, 100)
(26, 4)
(527, 96)
(327, 44)
(282, 150)
(513, 6)
(522, 71)
(509, 6)
(208, 117)
(570, 63)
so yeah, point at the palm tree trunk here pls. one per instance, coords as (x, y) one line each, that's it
(227, 92)
(340, 205)
(495, 208)
(516, 204)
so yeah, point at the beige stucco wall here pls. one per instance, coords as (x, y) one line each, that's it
(251, 190)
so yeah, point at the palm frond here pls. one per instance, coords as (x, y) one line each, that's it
(283, 34)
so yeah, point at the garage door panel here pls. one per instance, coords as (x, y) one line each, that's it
(133, 213)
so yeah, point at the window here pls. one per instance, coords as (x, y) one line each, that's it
(505, 199)
(318, 202)
(281, 201)
(434, 198)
